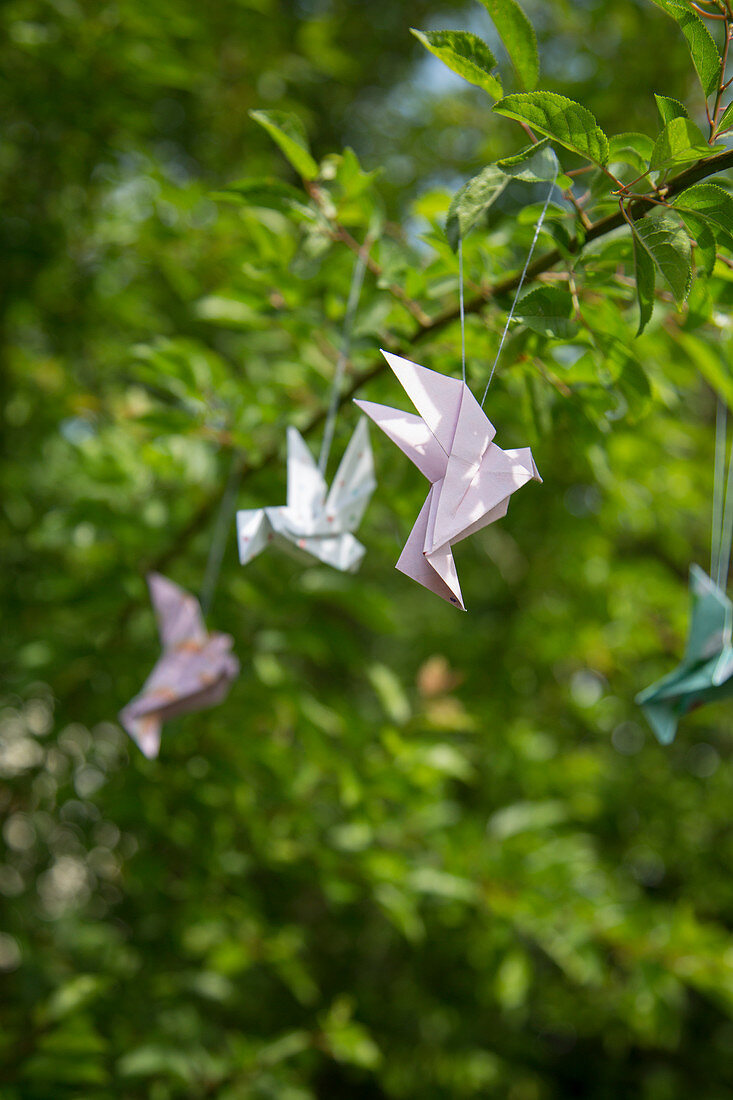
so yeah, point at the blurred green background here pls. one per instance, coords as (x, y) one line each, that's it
(415, 854)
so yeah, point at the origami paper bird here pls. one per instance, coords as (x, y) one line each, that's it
(705, 673)
(314, 520)
(194, 671)
(471, 478)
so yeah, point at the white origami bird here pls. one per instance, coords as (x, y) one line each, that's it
(471, 478)
(314, 520)
(194, 671)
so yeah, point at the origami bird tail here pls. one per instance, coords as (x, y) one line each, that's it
(253, 530)
(144, 730)
(437, 572)
(662, 718)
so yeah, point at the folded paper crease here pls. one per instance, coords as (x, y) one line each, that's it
(195, 669)
(705, 673)
(451, 443)
(315, 520)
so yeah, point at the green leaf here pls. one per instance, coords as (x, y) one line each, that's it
(547, 310)
(270, 193)
(704, 52)
(714, 203)
(726, 119)
(559, 118)
(465, 54)
(645, 274)
(520, 41)
(71, 997)
(679, 142)
(288, 132)
(668, 246)
(534, 164)
(472, 201)
(157, 1060)
(669, 108)
(700, 229)
(631, 148)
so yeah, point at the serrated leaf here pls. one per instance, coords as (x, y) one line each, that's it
(535, 164)
(680, 141)
(547, 310)
(559, 118)
(520, 41)
(465, 54)
(704, 52)
(669, 248)
(645, 275)
(288, 132)
(714, 203)
(472, 201)
(669, 108)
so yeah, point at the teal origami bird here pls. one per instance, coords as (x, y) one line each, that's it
(705, 673)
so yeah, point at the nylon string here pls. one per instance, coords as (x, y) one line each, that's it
(460, 302)
(220, 534)
(721, 431)
(357, 280)
(538, 227)
(726, 535)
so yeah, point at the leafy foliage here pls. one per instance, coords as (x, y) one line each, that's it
(415, 854)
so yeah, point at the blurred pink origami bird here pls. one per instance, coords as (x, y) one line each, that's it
(471, 478)
(194, 671)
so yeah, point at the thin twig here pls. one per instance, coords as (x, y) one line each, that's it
(721, 83)
(638, 207)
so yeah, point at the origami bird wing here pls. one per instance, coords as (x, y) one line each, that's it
(254, 531)
(470, 492)
(711, 618)
(341, 551)
(182, 681)
(490, 517)
(436, 397)
(178, 613)
(412, 436)
(354, 482)
(306, 485)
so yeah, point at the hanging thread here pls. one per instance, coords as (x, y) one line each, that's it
(726, 534)
(721, 432)
(220, 535)
(357, 280)
(460, 303)
(538, 227)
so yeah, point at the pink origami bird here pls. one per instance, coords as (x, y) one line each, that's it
(194, 671)
(471, 478)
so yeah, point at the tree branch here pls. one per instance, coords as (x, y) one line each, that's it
(428, 328)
